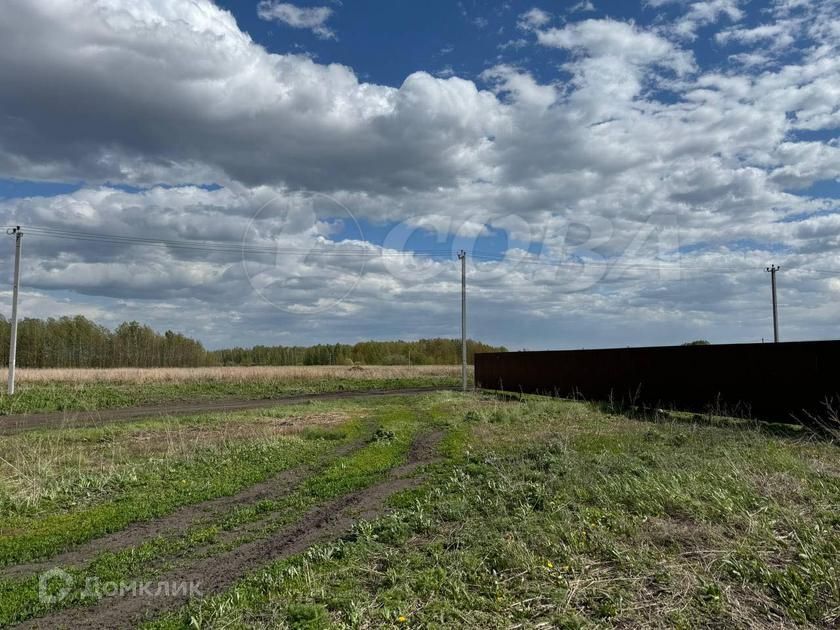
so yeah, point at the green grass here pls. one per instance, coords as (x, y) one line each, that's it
(48, 470)
(543, 513)
(387, 448)
(148, 493)
(551, 513)
(46, 397)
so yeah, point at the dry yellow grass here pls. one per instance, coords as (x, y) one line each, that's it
(229, 374)
(32, 467)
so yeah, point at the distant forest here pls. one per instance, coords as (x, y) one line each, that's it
(69, 342)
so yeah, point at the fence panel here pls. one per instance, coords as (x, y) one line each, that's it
(782, 381)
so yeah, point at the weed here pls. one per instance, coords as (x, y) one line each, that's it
(88, 390)
(382, 435)
(545, 513)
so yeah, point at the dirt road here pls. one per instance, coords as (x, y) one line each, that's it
(69, 419)
(218, 572)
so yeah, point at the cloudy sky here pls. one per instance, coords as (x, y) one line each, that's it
(252, 171)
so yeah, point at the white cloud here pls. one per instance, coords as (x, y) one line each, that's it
(631, 139)
(310, 18)
(707, 12)
(583, 7)
(777, 33)
(750, 60)
(612, 62)
(620, 40)
(522, 86)
(514, 44)
(214, 106)
(534, 18)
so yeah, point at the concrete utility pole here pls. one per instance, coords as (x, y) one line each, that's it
(772, 269)
(15, 288)
(462, 256)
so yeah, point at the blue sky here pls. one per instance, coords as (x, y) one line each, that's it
(384, 42)
(633, 166)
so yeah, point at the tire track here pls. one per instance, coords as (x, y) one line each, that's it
(217, 573)
(178, 521)
(73, 419)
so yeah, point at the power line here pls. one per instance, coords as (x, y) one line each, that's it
(660, 265)
(614, 264)
(478, 255)
(209, 246)
(829, 272)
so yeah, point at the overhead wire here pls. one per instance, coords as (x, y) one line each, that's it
(525, 258)
(208, 246)
(659, 265)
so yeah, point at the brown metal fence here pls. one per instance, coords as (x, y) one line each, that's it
(776, 381)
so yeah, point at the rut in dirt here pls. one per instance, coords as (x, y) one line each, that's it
(217, 573)
(179, 521)
(72, 419)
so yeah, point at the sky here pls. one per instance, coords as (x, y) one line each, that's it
(264, 172)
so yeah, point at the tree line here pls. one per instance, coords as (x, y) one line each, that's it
(77, 342)
(421, 352)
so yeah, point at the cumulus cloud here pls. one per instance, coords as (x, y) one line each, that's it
(655, 4)
(534, 18)
(611, 63)
(310, 18)
(619, 40)
(181, 94)
(633, 153)
(706, 12)
(777, 33)
(525, 90)
(583, 7)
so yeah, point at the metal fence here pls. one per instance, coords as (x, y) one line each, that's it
(775, 381)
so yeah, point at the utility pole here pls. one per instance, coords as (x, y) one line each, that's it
(462, 256)
(772, 269)
(15, 288)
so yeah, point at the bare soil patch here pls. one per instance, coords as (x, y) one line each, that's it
(72, 419)
(219, 572)
(177, 522)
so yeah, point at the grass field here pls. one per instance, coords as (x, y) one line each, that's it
(436, 510)
(92, 389)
